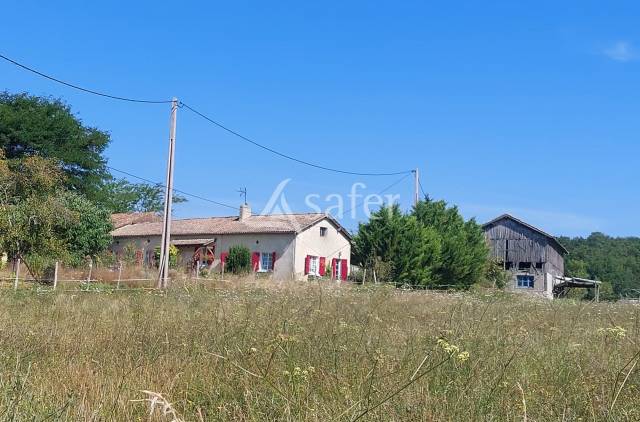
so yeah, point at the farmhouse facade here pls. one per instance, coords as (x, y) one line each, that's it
(288, 246)
(534, 258)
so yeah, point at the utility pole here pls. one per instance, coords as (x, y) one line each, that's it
(416, 197)
(163, 274)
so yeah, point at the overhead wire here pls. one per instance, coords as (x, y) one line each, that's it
(202, 198)
(422, 189)
(283, 155)
(90, 91)
(202, 115)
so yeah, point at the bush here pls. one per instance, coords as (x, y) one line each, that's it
(496, 276)
(173, 256)
(239, 260)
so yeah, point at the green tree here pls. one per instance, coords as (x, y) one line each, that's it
(379, 237)
(418, 255)
(123, 196)
(613, 260)
(431, 247)
(41, 222)
(239, 260)
(47, 127)
(464, 251)
(89, 233)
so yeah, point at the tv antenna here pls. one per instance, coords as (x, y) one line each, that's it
(243, 193)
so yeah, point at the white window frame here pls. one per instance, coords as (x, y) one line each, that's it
(269, 256)
(338, 274)
(528, 281)
(314, 265)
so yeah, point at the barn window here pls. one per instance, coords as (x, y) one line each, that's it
(525, 282)
(323, 231)
(524, 266)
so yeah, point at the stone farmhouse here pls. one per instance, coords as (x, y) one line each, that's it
(288, 246)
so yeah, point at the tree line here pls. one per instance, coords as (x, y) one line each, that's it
(613, 260)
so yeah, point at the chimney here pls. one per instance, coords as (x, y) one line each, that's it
(245, 211)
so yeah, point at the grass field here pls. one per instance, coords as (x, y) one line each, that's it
(314, 352)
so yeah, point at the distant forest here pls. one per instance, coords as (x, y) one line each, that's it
(613, 260)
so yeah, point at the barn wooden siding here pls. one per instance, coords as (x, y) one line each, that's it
(513, 242)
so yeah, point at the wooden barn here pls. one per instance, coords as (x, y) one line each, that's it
(535, 258)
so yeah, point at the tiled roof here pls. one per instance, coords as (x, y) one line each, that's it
(125, 218)
(280, 223)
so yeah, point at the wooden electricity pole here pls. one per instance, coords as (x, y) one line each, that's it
(163, 274)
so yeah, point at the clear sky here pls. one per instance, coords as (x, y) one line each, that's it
(530, 108)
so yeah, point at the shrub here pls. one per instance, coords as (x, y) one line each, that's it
(173, 256)
(239, 260)
(496, 275)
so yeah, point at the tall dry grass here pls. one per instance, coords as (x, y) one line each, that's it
(239, 351)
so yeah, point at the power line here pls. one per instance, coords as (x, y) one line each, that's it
(90, 91)
(175, 190)
(221, 126)
(283, 155)
(381, 192)
(423, 192)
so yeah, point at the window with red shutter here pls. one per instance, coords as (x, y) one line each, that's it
(255, 261)
(344, 269)
(323, 266)
(307, 263)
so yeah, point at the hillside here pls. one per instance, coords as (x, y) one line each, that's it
(613, 260)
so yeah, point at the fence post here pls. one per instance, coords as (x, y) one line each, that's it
(119, 275)
(55, 276)
(90, 269)
(15, 282)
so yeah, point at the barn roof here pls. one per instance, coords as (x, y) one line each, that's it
(551, 238)
(275, 223)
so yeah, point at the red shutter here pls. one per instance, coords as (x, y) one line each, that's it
(307, 264)
(273, 261)
(223, 257)
(333, 268)
(345, 269)
(255, 261)
(323, 266)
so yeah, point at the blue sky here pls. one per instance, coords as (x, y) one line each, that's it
(504, 106)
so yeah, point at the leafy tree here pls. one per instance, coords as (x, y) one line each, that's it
(47, 127)
(463, 251)
(613, 260)
(40, 222)
(379, 237)
(433, 246)
(123, 196)
(418, 255)
(239, 260)
(89, 233)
